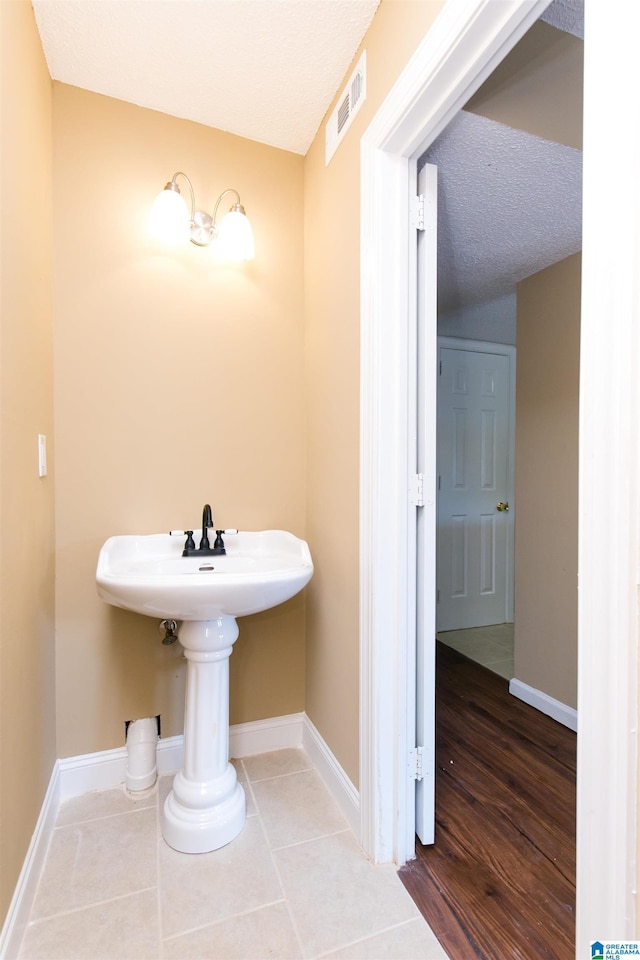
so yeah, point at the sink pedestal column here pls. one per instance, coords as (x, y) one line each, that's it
(206, 808)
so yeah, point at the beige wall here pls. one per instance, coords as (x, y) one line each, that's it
(332, 348)
(27, 719)
(537, 87)
(546, 554)
(178, 381)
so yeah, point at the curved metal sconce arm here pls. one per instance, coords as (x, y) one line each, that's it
(236, 207)
(172, 185)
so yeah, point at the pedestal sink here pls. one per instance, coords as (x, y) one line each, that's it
(148, 575)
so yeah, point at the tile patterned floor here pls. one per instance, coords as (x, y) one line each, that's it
(491, 646)
(294, 884)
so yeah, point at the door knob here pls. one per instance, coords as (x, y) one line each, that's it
(502, 507)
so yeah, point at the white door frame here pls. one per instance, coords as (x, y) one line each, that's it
(460, 50)
(505, 350)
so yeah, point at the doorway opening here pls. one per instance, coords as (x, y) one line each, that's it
(475, 481)
(460, 50)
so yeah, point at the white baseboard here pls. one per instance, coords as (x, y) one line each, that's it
(261, 736)
(75, 776)
(105, 770)
(335, 779)
(25, 891)
(565, 715)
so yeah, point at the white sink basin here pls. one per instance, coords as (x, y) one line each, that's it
(147, 574)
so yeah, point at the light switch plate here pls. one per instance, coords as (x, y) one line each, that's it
(42, 455)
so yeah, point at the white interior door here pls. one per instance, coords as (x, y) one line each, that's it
(426, 517)
(475, 508)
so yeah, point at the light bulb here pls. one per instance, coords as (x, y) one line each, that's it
(235, 236)
(169, 216)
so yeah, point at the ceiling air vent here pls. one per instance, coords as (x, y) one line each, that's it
(349, 102)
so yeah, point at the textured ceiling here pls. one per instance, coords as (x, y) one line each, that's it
(262, 69)
(509, 204)
(567, 15)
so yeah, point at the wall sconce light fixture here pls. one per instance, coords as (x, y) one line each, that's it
(172, 221)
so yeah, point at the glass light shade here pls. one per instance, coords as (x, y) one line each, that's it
(169, 217)
(235, 237)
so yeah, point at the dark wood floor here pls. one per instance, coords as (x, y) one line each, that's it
(500, 880)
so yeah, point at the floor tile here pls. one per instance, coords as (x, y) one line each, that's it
(410, 941)
(98, 860)
(267, 932)
(276, 763)
(293, 885)
(126, 928)
(103, 803)
(297, 807)
(199, 889)
(504, 668)
(336, 896)
(492, 646)
(502, 633)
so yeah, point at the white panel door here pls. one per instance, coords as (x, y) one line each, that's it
(474, 513)
(426, 515)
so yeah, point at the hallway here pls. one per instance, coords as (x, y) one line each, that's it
(500, 880)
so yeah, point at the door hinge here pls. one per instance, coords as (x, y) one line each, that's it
(418, 212)
(416, 490)
(415, 763)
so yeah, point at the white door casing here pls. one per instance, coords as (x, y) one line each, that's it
(475, 484)
(463, 46)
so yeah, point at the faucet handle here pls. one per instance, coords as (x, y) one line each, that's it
(218, 546)
(184, 533)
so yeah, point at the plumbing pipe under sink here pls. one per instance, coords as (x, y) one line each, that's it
(142, 744)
